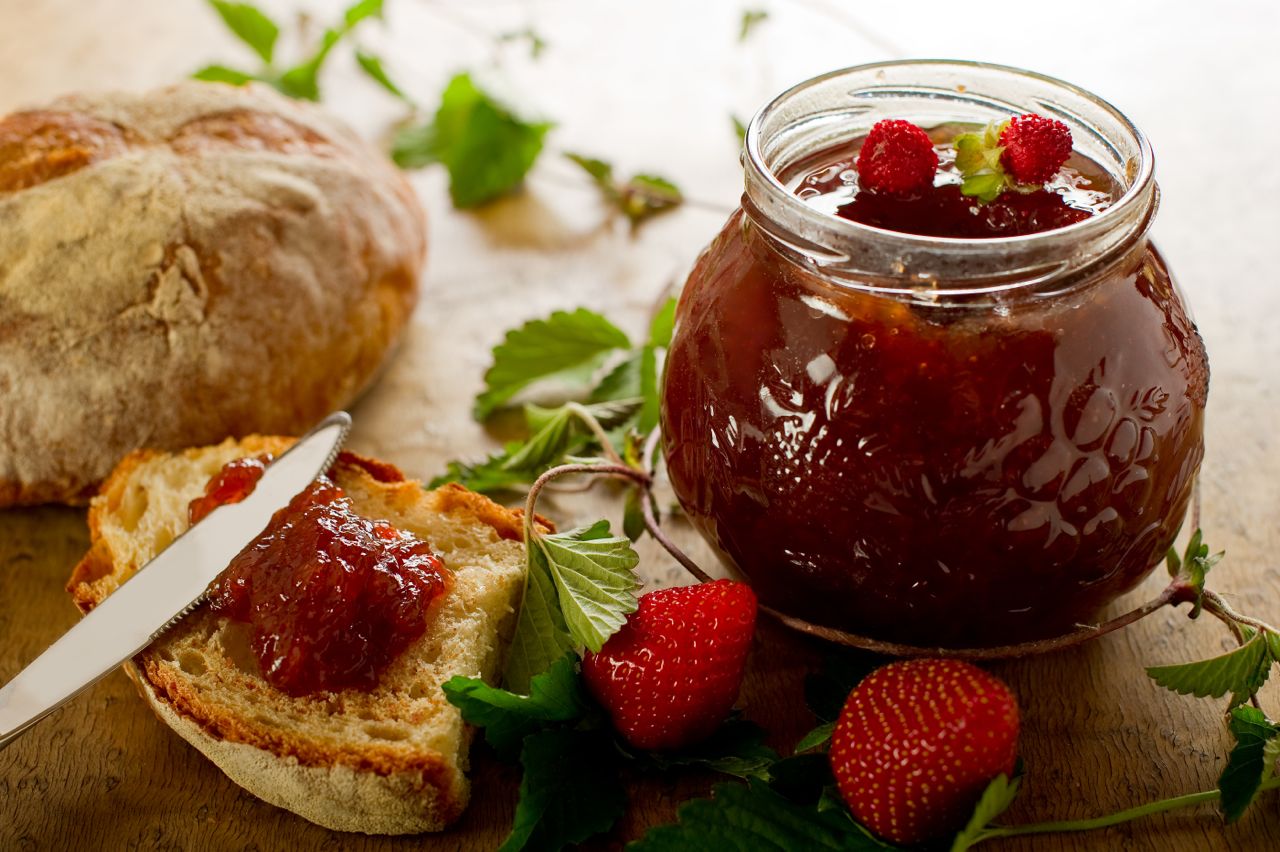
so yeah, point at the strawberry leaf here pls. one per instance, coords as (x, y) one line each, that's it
(561, 429)
(1243, 774)
(223, 74)
(570, 790)
(594, 578)
(639, 198)
(995, 800)
(541, 636)
(579, 588)
(372, 66)
(484, 144)
(250, 25)
(621, 382)
(556, 695)
(751, 18)
(1240, 672)
(566, 346)
(663, 324)
(753, 816)
(489, 476)
(817, 737)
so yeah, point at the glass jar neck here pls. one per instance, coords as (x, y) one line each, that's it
(837, 108)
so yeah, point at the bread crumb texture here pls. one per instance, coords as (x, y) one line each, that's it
(389, 761)
(178, 266)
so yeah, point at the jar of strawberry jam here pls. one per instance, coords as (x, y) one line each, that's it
(925, 430)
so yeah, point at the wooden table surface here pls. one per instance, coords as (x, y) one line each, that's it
(651, 86)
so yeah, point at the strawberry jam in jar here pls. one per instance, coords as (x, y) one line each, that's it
(939, 421)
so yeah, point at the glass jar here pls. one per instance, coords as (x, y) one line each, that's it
(934, 441)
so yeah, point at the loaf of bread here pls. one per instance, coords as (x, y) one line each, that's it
(200, 261)
(389, 761)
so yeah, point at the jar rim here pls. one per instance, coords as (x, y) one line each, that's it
(846, 248)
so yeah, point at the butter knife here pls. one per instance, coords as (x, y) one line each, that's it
(165, 589)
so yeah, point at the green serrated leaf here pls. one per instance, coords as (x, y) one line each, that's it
(595, 580)
(1270, 758)
(754, 817)
(735, 748)
(559, 431)
(568, 346)
(995, 800)
(622, 382)
(751, 18)
(570, 790)
(361, 10)
(485, 145)
(302, 81)
(223, 74)
(645, 196)
(649, 412)
(414, 146)
(553, 437)
(556, 695)
(541, 636)
(250, 25)
(1273, 645)
(600, 171)
(489, 476)
(372, 65)
(633, 515)
(817, 737)
(1242, 776)
(1240, 672)
(663, 324)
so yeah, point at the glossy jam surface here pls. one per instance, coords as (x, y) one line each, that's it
(331, 598)
(932, 473)
(828, 181)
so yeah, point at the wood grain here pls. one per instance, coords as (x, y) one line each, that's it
(104, 774)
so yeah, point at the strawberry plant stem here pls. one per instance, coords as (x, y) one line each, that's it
(1112, 819)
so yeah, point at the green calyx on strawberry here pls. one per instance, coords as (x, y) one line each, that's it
(671, 674)
(918, 742)
(1022, 154)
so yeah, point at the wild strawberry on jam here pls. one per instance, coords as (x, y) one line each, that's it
(331, 598)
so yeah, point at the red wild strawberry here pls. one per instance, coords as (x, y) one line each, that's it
(1035, 147)
(897, 157)
(670, 676)
(916, 744)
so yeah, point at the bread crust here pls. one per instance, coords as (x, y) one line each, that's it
(345, 786)
(178, 266)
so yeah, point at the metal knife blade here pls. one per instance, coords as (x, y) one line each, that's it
(165, 589)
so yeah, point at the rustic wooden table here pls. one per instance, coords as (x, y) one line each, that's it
(652, 86)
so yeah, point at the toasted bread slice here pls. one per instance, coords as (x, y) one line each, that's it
(389, 761)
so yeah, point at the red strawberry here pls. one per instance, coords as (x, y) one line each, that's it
(918, 741)
(1035, 147)
(897, 157)
(670, 676)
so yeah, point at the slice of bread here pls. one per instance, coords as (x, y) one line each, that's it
(389, 761)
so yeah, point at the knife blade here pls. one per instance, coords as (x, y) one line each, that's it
(165, 589)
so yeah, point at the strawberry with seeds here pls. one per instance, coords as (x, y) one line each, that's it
(916, 744)
(896, 158)
(671, 674)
